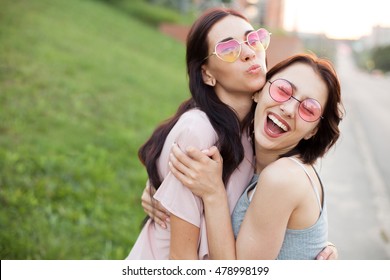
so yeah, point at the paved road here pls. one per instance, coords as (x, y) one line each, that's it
(356, 173)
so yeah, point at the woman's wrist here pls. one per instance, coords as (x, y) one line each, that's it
(218, 194)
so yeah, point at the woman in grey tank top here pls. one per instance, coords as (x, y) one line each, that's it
(282, 214)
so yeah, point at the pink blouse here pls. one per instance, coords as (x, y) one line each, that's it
(192, 129)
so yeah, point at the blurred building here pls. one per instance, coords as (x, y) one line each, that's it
(269, 13)
(379, 37)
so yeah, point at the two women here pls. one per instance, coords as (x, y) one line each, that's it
(226, 65)
(282, 214)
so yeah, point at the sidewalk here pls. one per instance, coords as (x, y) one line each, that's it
(358, 200)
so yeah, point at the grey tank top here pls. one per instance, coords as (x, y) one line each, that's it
(302, 244)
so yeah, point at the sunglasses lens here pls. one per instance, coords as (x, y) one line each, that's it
(280, 90)
(228, 51)
(310, 110)
(264, 37)
(254, 41)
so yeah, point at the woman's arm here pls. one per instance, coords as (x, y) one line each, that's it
(210, 188)
(262, 231)
(195, 170)
(184, 240)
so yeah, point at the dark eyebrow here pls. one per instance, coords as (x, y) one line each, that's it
(231, 38)
(293, 86)
(249, 31)
(226, 39)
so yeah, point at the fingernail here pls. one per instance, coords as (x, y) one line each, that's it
(168, 220)
(163, 225)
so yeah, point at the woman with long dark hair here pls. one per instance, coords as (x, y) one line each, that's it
(226, 65)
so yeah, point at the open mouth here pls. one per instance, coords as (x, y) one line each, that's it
(275, 126)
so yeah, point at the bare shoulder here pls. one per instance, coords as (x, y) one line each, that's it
(284, 175)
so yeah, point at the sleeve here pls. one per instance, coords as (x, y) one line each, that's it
(193, 129)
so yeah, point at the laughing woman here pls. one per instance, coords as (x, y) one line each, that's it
(282, 214)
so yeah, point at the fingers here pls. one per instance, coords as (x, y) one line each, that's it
(215, 155)
(193, 155)
(153, 208)
(159, 216)
(178, 163)
(328, 253)
(198, 155)
(179, 173)
(335, 254)
(189, 157)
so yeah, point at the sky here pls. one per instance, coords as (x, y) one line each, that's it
(339, 19)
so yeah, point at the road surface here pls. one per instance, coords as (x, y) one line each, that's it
(356, 173)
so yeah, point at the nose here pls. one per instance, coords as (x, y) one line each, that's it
(290, 107)
(247, 53)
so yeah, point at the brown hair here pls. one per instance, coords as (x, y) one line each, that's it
(328, 130)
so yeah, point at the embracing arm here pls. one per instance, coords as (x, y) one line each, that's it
(222, 244)
(184, 235)
(210, 188)
(197, 171)
(184, 240)
(262, 231)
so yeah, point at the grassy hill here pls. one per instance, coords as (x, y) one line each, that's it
(82, 85)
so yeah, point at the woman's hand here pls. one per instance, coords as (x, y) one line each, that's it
(200, 171)
(329, 253)
(153, 208)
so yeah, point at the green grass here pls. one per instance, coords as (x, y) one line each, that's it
(82, 85)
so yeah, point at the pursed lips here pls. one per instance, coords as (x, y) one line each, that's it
(254, 69)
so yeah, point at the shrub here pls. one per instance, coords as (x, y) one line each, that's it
(152, 14)
(381, 58)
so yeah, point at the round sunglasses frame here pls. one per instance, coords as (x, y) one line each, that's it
(301, 102)
(265, 47)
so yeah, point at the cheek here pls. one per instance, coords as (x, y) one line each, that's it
(304, 129)
(223, 73)
(260, 111)
(264, 100)
(230, 77)
(262, 61)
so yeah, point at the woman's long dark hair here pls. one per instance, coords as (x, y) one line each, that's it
(222, 117)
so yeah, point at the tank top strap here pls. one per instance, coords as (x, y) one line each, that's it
(252, 186)
(310, 179)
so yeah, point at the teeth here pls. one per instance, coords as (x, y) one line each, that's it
(277, 122)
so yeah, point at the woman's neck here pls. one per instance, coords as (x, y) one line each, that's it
(240, 104)
(263, 159)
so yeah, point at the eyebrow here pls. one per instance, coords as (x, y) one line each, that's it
(226, 39)
(294, 87)
(249, 31)
(231, 38)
